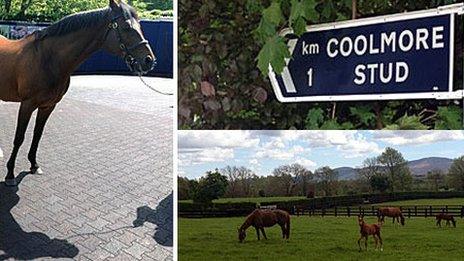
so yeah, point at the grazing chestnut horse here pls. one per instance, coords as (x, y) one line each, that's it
(366, 230)
(35, 70)
(448, 218)
(393, 212)
(260, 219)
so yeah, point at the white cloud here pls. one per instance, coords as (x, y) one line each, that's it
(216, 139)
(417, 137)
(189, 157)
(306, 163)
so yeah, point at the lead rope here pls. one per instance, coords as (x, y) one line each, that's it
(152, 88)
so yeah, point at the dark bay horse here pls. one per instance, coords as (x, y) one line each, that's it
(393, 212)
(259, 219)
(36, 70)
(447, 217)
(366, 230)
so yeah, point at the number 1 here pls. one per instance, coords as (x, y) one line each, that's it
(310, 77)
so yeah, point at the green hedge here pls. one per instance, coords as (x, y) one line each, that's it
(187, 209)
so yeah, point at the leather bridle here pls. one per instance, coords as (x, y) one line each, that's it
(126, 50)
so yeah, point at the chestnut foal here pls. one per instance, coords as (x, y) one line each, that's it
(366, 230)
(446, 217)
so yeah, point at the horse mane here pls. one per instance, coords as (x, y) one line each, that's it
(74, 22)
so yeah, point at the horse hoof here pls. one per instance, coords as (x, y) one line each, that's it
(11, 182)
(37, 171)
(381, 249)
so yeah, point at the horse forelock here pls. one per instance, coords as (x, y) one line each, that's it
(74, 22)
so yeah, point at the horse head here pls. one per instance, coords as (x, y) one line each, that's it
(125, 38)
(241, 234)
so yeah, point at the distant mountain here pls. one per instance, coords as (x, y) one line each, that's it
(419, 168)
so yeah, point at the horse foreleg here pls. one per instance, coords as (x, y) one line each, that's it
(257, 232)
(264, 233)
(376, 241)
(439, 222)
(359, 243)
(24, 115)
(380, 241)
(42, 117)
(284, 231)
(365, 242)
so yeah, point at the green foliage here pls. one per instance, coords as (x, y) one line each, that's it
(231, 44)
(210, 187)
(379, 183)
(52, 10)
(456, 173)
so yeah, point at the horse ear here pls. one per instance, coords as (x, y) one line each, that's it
(114, 4)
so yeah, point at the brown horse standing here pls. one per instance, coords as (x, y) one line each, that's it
(260, 219)
(366, 230)
(35, 70)
(393, 212)
(448, 218)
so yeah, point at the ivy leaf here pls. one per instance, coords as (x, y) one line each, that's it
(309, 7)
(364, 114)
(449, 118)
(274, 52)
(314, 118)
(299, 26)
(273, 14)
(407, 123)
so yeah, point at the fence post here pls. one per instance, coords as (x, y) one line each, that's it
(446, 207)
(462, 211)
(323, 211)
(409, 213)
(415, 211)
(348, 211)
(431, 211)
(373, 211)
(425, 209)
(335, 211)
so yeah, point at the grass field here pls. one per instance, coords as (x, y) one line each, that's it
(318, 238)
(322, 238)
(443, 201)
(254, 200)
(448, 201)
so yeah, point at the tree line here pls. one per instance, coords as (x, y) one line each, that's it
(388, 172)
(52, 10)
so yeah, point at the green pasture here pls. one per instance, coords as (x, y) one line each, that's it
(322, 238)
(318, 238)
(253, 200)
(438, 201)
(445, 201)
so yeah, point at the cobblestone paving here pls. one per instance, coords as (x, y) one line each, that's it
(106, 191)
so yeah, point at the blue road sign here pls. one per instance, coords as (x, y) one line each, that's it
(402, 56)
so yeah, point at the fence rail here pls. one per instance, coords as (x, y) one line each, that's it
(408, 210)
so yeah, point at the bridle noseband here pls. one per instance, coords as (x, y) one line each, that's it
(126, 50)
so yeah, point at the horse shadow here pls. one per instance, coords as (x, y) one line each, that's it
(19, 244)
(162, 217)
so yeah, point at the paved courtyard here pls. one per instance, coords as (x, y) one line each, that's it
(106, 190)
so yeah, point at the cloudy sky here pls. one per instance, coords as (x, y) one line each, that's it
(262, 151)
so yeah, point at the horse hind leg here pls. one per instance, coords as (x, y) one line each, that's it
(42, 117)
(24, 115)
(264, 233)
